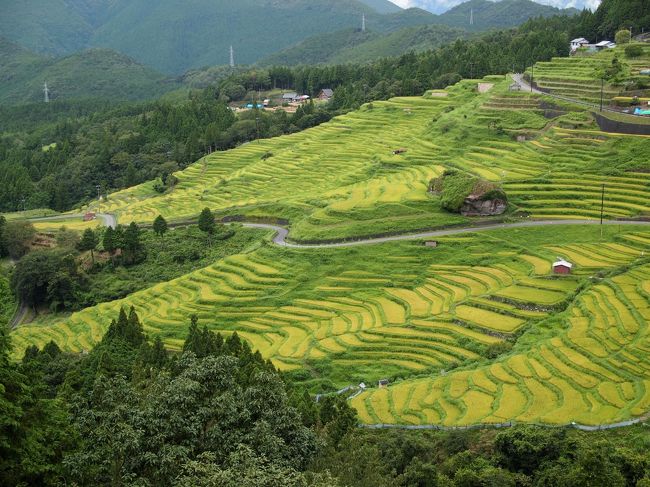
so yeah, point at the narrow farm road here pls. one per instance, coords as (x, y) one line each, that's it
(282, 233)
(280, 237)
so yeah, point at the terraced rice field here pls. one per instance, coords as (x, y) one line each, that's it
(593, 368)
(341, 179)
(578, 77)
(359, 313)
(401, 310)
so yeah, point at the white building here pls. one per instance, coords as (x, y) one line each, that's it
(605, 45)
(578, 43)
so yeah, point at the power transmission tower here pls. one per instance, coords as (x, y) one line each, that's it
(232, 57)
(471, 17)
(363, 22)
(46, 92)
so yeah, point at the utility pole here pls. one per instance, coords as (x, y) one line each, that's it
(471, 17)
(363, 22)
(46, 92)
(232, 57)
(602, 210)
(532, 77)
(471, 72)
(99, 198)
(602, 87)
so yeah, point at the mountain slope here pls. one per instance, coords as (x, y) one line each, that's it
(98, 73)
(44, 26)
(175, 35)
(352, 45)
(382, 6)
(492, 15)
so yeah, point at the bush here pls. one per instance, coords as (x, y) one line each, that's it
(623, 37)
(633, 51)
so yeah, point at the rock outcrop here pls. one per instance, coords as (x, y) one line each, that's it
(474, 205)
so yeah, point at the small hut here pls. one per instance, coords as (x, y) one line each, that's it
(562, 267)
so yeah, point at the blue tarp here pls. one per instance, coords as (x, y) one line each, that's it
(638, 111)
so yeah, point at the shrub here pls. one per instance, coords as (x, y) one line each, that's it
(633, 51)
(623, 37)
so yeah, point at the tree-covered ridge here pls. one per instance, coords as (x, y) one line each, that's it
(497, 15)
(173, 38)
(97, 73)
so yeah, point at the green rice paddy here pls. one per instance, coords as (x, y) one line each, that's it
(425, 318)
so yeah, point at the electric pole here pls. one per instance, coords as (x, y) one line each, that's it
(471, 17)
(363, 22)
(602, 209)
(602, 87)
(46, 92)
(99, 198)
(532, 77)
(232, 57)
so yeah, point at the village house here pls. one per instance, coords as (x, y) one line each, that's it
(326, 94)
(562, 267)
(605, 45)
(578, 43)
(90, 216)
(288, 97)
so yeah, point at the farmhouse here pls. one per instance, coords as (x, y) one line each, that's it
(605, 45)
(561, 266)
(289, 96)
(326, 94)
(578, 43)
(382, 383)
(90, 216)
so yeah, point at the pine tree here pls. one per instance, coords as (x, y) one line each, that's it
(134, 334)
(132, 244)
(207, 223)
(109, 242)
(160, 226)
(193, 340)
(89, 241)
(158, 357)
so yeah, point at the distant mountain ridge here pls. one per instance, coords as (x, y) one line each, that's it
(97, 73)
(176, 35)
(486, 14)
(383, 40)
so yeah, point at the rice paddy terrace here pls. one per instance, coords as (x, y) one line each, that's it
(579, 77)
(341, 179)
(473, 331)
(402, 310)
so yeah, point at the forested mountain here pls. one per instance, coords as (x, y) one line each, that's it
(352, 45)
(495, 15)
(382, 6)
(173, 36)
(98, 73)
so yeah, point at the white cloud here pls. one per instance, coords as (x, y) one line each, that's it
(440, 6)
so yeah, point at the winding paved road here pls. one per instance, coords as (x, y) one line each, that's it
(280, 237)
(282, 233)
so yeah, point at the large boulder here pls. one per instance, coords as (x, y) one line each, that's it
(474, 205)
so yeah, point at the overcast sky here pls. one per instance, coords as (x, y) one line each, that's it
(439, 6)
